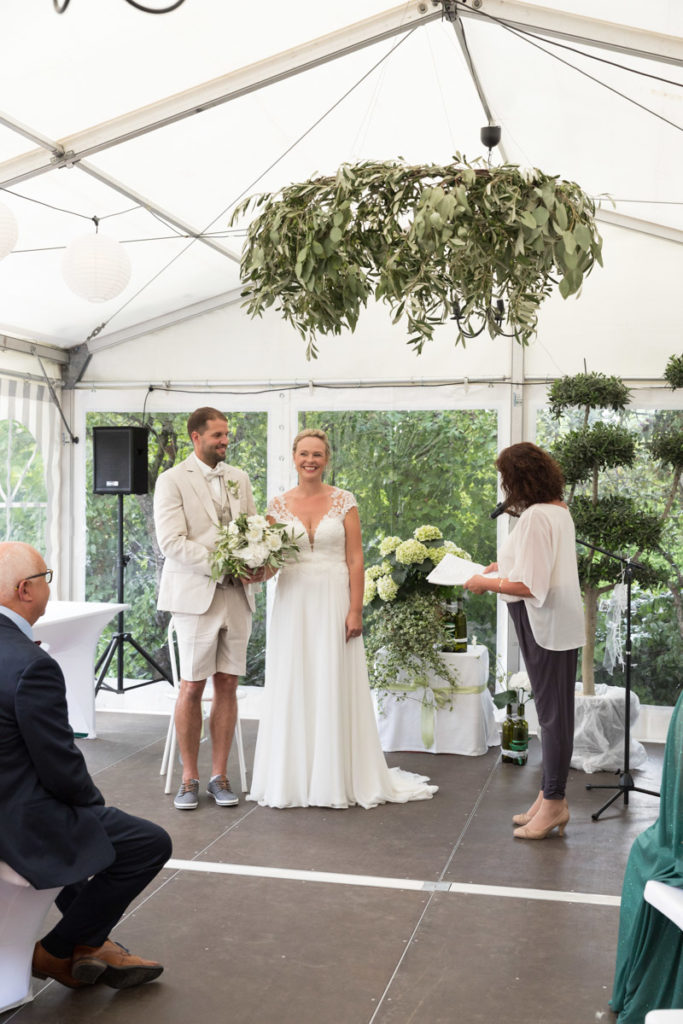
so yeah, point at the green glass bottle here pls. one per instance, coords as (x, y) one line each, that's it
(515, 738)
(459, 628)
(506, 738)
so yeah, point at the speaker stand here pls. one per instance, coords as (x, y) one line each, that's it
(121, 637)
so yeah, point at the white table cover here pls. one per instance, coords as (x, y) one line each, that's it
(70, 630)
(469, 728)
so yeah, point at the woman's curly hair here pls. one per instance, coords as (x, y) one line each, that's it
(529, 476)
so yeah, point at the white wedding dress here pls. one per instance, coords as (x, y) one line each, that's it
(317, 742)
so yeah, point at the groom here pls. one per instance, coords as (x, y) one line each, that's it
(212, 619)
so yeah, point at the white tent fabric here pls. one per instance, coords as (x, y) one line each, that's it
(158, 124)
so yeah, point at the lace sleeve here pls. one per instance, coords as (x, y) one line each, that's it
(277, 509)
(342, 502)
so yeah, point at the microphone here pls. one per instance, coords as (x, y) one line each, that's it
(499, 509)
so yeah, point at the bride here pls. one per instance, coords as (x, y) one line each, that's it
(318, 743)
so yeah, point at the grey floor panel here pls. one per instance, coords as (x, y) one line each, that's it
(487, 959)
(249, 950)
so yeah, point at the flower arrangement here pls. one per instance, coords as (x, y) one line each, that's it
(251, 542)
(407, 628)
(405, 566)
(518, 691)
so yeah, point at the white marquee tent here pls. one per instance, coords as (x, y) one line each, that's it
(158, 124)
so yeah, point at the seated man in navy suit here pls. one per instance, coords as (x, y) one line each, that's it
(56, 830)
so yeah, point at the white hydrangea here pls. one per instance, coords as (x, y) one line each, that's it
(520, 681)
(411, 552)
(388, 545)
(370, 592)
(387, 588)
(427, 533)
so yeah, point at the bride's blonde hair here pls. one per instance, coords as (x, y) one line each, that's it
(313, 432)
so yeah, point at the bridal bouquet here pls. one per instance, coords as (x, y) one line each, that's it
(251, 542)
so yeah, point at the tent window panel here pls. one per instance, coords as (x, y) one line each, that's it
(23, 492)
(409, 468)
(168, 445)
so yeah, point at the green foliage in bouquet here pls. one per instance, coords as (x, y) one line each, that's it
(249, 543)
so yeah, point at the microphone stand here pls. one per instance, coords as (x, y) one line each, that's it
(626, 784)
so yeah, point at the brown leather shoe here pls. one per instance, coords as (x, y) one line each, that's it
(45, 965)
(113, 965)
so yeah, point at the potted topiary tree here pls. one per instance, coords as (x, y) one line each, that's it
(613, 522)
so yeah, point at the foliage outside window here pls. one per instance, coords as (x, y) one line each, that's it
(23, 493)
(168, 445)
(641, 480)
(409, 468)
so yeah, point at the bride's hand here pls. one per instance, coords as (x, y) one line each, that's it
(354, 625)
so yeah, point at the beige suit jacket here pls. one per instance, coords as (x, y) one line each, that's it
(187, 529)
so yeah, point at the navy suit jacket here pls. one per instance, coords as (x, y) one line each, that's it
(50, 829)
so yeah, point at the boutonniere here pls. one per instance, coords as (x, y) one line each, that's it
(233, 487)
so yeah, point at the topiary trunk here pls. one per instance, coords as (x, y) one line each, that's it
(590, 613)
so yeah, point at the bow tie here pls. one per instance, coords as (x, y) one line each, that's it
(215, 473)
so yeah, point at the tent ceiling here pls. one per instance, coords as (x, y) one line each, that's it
(159, 124)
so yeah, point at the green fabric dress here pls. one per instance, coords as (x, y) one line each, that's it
(649, 972)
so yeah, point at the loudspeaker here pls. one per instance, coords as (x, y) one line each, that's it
(119, 460)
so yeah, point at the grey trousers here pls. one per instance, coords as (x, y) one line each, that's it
(552, 675)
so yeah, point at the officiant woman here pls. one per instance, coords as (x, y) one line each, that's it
(537, 576)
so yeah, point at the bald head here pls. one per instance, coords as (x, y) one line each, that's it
(17, 562)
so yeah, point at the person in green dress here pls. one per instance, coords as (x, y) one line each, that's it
(649, 971)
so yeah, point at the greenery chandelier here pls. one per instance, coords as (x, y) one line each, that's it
(483, 245)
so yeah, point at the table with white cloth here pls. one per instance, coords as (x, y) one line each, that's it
(70, 631)
(438, 718)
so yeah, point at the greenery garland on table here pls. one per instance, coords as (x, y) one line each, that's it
(430, 240)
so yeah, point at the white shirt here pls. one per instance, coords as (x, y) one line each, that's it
(541, 553)
(213, 478)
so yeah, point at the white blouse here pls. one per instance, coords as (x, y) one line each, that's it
(541, 553)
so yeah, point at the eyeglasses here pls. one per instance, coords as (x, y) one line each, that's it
(48, 574)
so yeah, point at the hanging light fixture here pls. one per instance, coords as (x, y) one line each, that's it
(96, 267)
(8, 231)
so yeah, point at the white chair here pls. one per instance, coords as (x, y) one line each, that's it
(168, 759)
(23, 910)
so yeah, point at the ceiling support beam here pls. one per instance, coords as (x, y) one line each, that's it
(646, 227)
(577, 28)
(158, 323)
(158, 211)
(32, 348)
(635, 42)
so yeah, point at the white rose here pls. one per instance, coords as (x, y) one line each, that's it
(254, 555)
(273, 541)
(260, 521)
(254, 535)
(233, 528)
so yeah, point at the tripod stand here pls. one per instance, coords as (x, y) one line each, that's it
(121, 637)
(626, 784)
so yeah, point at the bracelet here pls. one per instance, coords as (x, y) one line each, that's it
(500, 584)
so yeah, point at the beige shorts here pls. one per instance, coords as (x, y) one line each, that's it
(215, 641)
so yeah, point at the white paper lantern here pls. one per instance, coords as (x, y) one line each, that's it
(8, 231)
(96, 267)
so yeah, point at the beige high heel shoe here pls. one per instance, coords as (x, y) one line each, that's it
(524, 819)
(528, 831)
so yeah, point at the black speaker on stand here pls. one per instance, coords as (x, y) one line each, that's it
(120, 467)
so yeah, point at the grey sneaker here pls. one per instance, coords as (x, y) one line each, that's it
(187, 798)
(219, 789)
